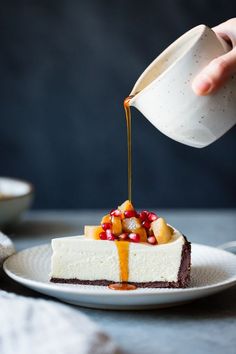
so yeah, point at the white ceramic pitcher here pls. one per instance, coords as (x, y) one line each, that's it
(164, 95)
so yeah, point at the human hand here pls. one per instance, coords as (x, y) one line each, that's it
(214, 75)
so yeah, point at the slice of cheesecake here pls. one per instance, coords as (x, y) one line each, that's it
(79, 260)
(145, 252)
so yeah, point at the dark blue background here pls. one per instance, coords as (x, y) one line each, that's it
(65, 68)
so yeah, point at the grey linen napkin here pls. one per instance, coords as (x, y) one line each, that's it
(36, 326)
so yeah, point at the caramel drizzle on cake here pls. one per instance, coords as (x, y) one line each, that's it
(123, 254)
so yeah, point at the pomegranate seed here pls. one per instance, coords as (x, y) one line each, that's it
(115, 212)
(103, 236)
(143, 215)
(152, 217)
(110, 236)
(146, 224)
(123, 236)
(134, 237)
(130, 213)
(152, 240)
(106, 226)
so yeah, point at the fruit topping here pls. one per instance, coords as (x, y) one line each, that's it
(115, 212)
(152, 240)
(125, 224)
(142, 233)
(143, 215)
(152, 217)
(130, 213)
(103, 235)
(134, 237)
(106, 226)
(116, 225)
(161, 231)
(110, 235)
(146, 224)
(127, 205)
(93, 232)
(106, 219)
(131, 224)
(123, 237)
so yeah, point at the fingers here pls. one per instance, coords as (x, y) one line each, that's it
(214, 75)
(227, 31)
(228, 25)
(217, 72)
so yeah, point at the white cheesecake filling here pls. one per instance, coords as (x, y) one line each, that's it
(84, 259)
(149, 263)
(79, 258)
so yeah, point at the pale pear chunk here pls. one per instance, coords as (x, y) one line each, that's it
(92, 232)
(131, 224)
(127, 205)
(106, 219)
(116, 227)
(161, 231)
(142, 233)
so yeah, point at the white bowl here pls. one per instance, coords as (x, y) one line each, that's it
(15, 197)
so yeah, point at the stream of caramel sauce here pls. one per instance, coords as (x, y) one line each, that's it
(129, 144)
(123, 246)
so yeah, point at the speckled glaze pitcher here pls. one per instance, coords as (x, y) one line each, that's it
(164, 95)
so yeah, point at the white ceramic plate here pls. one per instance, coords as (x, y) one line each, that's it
(213, 270)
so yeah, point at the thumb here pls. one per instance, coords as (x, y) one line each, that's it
(214, 75)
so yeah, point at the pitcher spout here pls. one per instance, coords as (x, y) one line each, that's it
(132, 99)
(134, 95)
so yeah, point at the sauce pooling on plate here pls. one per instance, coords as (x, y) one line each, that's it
(122, 286)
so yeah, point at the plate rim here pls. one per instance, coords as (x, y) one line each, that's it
(74, 289)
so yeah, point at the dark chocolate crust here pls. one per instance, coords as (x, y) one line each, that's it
(185, 266)
(103, 282)
(182, 282)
